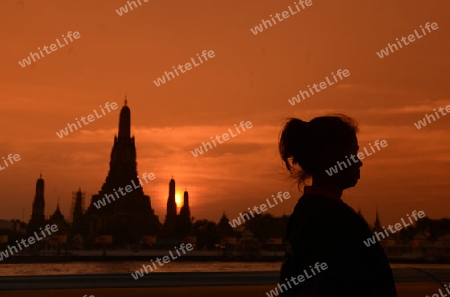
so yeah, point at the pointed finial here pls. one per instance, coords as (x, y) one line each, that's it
(126, 101)
(40, 175)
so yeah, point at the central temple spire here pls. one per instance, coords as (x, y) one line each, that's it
(133, 213)
(125, 122)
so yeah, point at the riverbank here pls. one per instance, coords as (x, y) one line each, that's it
(193, 256)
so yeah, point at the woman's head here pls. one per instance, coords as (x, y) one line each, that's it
(319, 144)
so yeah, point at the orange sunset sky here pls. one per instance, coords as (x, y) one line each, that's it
(249, 79)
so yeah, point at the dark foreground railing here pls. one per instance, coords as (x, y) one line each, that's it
(178, 279)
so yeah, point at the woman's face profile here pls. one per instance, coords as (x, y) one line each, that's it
(349, 176)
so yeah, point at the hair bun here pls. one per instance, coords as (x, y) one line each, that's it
(293, 134)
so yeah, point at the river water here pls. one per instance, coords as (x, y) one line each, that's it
(131, 266)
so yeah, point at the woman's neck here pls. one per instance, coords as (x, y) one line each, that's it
(323, 190)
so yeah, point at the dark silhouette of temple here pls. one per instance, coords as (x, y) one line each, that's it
(127, 219)
(38, 220)
(176, 225)
(170, 223)
(377, 225)
(77, 211)
(184, 218)
(38, 213)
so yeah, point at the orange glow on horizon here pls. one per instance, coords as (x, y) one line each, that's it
(251, 79)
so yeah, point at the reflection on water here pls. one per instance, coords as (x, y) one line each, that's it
(131, 266)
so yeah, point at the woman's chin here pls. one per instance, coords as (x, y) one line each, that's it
(353, 182)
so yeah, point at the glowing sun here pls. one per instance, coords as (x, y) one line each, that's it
(178, 199)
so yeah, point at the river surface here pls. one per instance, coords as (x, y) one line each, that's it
(131, 266)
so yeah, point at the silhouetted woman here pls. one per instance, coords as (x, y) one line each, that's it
(322, 227)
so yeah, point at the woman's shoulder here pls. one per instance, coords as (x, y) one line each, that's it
(322, 209)
(321, 202)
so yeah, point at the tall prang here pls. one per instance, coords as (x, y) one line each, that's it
(77, 210)
(171, 203)
(377, 225)
(38, 214)
(131, 216)
(170, 223)
(184, 218)
(185, 211)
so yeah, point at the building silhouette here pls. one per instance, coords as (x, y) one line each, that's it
(223, 227)
(176, 226)
(38, 221)
(38, 213)
(77, 211)
(185, 212)
(377, 225)
(171, 214)
(59, 220)
(131, 217)
(127, 218)
(184, 218)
